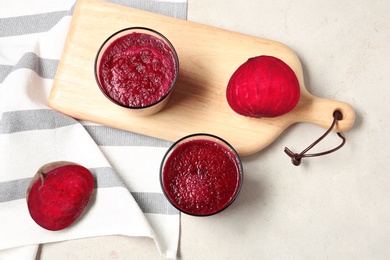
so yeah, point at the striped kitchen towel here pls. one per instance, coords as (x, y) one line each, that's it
(127, 199)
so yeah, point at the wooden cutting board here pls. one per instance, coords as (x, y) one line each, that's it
(208, 57)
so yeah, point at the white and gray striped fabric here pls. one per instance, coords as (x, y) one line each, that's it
(127, 199)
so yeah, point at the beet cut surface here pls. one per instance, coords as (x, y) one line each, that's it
(263, 86)
(57, 196)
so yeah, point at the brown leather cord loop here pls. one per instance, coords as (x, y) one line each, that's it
(296, 158)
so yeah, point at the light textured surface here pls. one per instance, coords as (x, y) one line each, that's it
(333, 207)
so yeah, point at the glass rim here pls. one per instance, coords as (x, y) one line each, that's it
(107, 40)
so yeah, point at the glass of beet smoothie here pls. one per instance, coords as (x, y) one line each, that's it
(201, 174)
(137, 68)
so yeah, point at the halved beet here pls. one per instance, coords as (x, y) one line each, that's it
(263, 86)
(58, 194)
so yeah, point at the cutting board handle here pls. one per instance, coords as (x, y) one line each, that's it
(319, 111)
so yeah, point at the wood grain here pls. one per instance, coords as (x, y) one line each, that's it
(208, 57)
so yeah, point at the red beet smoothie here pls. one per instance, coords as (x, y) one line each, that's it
(201, 177)
(137, 70)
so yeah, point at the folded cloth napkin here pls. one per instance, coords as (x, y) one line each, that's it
(127, 199)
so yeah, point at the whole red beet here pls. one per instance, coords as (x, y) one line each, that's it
(58, 194)
(263, 86)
